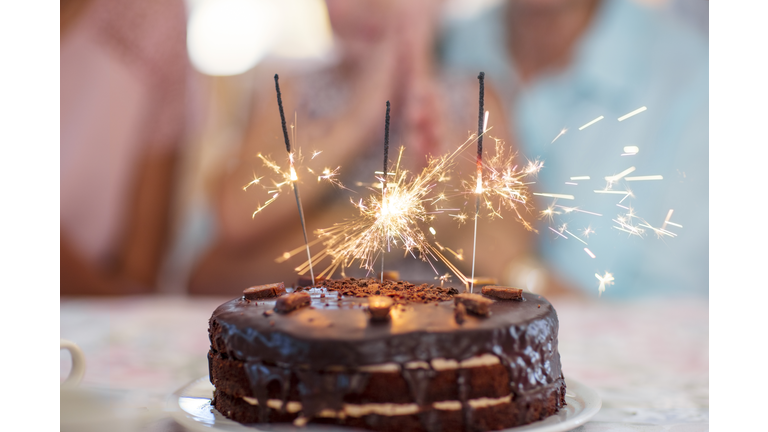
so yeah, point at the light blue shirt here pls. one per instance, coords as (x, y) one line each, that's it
(629, 58)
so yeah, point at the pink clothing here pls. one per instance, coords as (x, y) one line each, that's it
(124, 72)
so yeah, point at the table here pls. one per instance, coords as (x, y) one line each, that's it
(648, 359)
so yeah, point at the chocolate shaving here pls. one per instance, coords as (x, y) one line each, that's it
(379, 306)
(475, 303)
(503, 293)
(399, 291)
(264, 291)
(290, 302)
(306, 281)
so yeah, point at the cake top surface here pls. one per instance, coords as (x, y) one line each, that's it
(336, 329)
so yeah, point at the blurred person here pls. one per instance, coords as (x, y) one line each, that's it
(559, 64)
(384, 52)
(124, 74)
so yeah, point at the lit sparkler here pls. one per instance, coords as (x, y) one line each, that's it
(292, 177)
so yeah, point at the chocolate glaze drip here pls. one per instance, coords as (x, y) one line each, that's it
(327, 391)
(261, 376)
(418, 382)
(336, 333)
(466, 410)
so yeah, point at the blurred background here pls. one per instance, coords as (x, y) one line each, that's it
(166, 105)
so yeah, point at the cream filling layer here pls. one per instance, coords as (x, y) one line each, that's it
(385, 409)
(438, 364)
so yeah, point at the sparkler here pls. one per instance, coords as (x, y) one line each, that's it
(384, 183)
(293, 176)
(481, 125)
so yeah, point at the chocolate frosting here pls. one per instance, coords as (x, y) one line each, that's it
(337, 333)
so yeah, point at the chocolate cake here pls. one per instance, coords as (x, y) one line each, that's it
(391, 356)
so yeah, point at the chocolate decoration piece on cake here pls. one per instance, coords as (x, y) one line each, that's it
(475, 303)
(503, 293)
(418, 371)
(460, 313)
(264, 291)
(291, 302)
(379, 306)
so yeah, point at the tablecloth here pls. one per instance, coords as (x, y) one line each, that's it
(647, 359)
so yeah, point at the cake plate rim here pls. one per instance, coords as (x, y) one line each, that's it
(190, 407)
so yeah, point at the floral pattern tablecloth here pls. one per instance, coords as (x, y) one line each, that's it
(647, 359)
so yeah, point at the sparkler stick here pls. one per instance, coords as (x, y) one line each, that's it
(384, 184)
(293, 176)
(480, 130)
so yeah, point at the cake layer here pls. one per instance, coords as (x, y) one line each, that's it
(490, 381)
(481, 413)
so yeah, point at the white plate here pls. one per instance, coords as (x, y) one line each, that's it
(191, 407)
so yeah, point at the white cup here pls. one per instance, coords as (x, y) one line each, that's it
(78, 364)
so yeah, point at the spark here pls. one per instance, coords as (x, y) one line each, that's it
(576, 209)
(616, 192)
(572, 183)
(316, 153)
(281, 177)
(559, 135)
(589, 252)
(591, 123)
(551, 195)
(575, 236)
(558, 233)
(616, 177)
(606, 279)
(432, 230)
(444, 278)
(503, 184)
(255, 180)
(666, 219)
(659, 231)
(643, 178)
(549, 213)
(628, 115)
(262, 207)
(630, 150)
(580, 178)
(625, 223)
(587, 231)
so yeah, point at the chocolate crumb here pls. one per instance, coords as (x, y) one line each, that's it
(538, 306)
